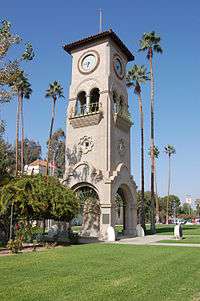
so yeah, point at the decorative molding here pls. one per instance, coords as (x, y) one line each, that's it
(86, 144)
(122, 147)
(86, 120)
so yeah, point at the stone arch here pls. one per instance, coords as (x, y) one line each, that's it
(87, 85)
(128, 218)
(89, 209)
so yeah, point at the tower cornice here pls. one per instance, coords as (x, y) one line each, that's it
(99, 37)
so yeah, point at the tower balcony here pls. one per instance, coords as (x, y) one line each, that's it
(123, 119)
(86, 115)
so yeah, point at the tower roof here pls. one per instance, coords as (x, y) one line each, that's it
(98, 37)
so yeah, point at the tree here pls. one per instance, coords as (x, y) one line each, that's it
(150, 43)
(57, 152)
(135, 77)
(23, 90)
(156, 155)
(10, 70)
(172, 207)
(7, 157)
(54, 92)
(38, 197)
(147, 204)
(169, 150)
(197, 203)
(32, 151)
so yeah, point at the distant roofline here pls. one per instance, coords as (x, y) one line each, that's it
(98, 37)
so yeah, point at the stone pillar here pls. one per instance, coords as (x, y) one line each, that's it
(87, 103)
(105, 220)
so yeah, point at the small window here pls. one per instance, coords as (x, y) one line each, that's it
(94, 100)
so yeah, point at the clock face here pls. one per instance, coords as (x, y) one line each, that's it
(118, 67)
(88, 62)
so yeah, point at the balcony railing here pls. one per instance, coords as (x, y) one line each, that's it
(87, 109)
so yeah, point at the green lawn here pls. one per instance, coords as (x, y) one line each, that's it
(186, 240)
(102, 272)
(169, 229)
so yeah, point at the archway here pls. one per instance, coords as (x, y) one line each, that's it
(81, 104)
(89, 215)
(94, 100)
(120, 211)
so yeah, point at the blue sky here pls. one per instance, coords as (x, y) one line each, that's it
(50, 24)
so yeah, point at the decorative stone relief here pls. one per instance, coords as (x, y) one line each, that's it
(122, 147)
(86, 144)
(74, 155)
(84, 173)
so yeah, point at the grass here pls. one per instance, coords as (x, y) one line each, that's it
(161, 229)
(186, 240)
(169, 229)
(102, 272)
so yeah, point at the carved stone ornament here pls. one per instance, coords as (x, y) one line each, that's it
(86, 144)
(121, 147)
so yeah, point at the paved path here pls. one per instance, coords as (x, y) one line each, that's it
(153, 240)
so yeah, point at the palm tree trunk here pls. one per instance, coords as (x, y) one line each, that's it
(168, 192)
(153, 229)
(17, 134)
(50, 133)
(156, 191)
(22, 137)
(142, 214)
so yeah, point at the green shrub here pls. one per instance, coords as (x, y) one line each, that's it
(15, 245)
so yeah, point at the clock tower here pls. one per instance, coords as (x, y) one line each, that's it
(98, 135)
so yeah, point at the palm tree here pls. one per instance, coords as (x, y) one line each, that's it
(156, 155)
(54, 92)
(135, 77)
(169, 150)
(23, 89)
(150, 42)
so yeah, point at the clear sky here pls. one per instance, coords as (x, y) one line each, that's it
(50, 24)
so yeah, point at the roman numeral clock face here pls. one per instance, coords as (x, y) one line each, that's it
(88, 62)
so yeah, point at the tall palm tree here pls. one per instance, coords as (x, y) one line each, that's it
(150, 43)
(23, 89)
(156, 155)
(54, 92)
(136, 76)
(169, 150)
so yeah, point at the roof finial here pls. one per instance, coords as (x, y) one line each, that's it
(100, 20)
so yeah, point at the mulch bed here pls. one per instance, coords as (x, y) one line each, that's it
(27, 248)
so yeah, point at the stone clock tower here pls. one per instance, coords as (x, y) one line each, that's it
(98, 135)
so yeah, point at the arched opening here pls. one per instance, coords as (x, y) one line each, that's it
(87, 223)
(94, 100)
(80, 104)
(120, 209)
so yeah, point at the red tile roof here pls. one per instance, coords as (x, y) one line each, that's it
(39, 162)
(98, 37)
